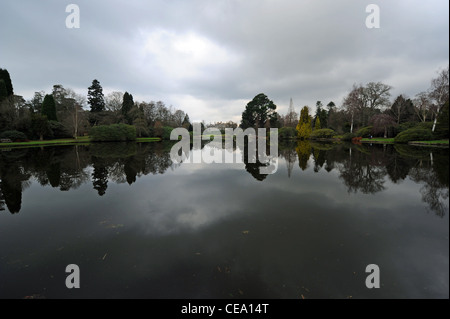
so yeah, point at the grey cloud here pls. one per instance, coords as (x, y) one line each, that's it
(301, 49)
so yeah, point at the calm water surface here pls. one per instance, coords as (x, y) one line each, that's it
(140, 226)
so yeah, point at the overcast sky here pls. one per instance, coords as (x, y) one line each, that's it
(210, 58)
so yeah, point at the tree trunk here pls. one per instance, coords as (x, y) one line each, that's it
(351, 126)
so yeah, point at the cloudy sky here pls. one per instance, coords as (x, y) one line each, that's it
(209, 58)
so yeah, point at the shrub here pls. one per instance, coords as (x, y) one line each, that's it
(14, 135)
(348, 136)
(405, 126)
(166, 130)
(441, 130)
(424, 125)
(413, 134)
(113, 133)
(287, 133)
(59, 130)
(323, 133)
(364, 131)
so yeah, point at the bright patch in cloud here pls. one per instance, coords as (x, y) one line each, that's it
(181, 56)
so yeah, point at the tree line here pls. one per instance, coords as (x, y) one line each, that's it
(367, 110)
(63, 114)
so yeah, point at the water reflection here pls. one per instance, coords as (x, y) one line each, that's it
(361, 168)
(68, 167)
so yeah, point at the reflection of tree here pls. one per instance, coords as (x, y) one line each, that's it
(67, 167)
(252, 164)
(398, 167)
(433, 174)
(100, 175)
(2, 199)
(12, 182)
(287, 151)
(303, 150)
(130, 171)
(359, 174)
(319, 159)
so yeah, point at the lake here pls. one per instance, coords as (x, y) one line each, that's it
(140, 226)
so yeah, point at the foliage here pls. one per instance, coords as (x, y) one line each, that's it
(49, 108)
(13, 135)
(113, 132)
(141, 127)
(59, 130)
(414, 134)
(187, 123)
(383, 123)
(304, 124)
(95, 97)
(259, 112)
(364, 131)
(127, 105)
(402, 110)
(303, 150)
(158, 129)
(166, 132)
(348, 136)
(321, 117)
(40, 126)
(405, 126)
(3, 90)
(4, 75)
(442, 123)
(317, 124)
(323, 133)
(287, 133)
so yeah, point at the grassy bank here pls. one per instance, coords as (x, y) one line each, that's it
(66, 141)
(378, 140)
(442, 143)
(418, 143)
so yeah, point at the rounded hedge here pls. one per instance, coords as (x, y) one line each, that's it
(364, 131)
(348, 136)
(13, 135)
(287, 133)
(323, 133)
(414, 134)
(113, 133)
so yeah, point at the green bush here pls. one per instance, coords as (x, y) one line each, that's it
(405, 126)
(59, 130)
(442, 130)
(287, 133)
(424, 125)
(364, 131)
(13, 135)
(113, 133)
(348, 136)
(413, 134)
(323, 133)
(166, 132)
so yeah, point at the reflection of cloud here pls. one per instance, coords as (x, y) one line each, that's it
(192, 198)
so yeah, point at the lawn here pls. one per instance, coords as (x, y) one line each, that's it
(66, 141)
(438, 142)
(378, 140)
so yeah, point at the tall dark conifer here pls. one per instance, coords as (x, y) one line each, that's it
(49, 108)
(127, 105)
(4, 75)
(95, 97)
